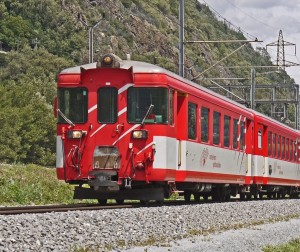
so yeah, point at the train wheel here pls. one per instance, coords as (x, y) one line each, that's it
(227, 197)
(197, 197)
(120, 201)
(242, 196)
(160, 202)
(187, 196)
(216, 194)
(205, 197)
(102, 201)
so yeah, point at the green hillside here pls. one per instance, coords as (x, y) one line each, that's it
(43, 37)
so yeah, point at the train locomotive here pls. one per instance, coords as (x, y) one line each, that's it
(133, 130)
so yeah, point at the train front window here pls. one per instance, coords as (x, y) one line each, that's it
(72, 102)
(139, 101)
(107, 105)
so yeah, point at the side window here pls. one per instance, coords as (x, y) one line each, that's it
(274, 145)
(235, 134)
(192, 121)
(269, 143)
(242, 136)
(216, 128)
(204, 124)
(259, 139)
(226, 131)
(278, 146)
(107, 105)
(295, 151)
(282, 147)
(287, 148)
(291, 150)
(171, 105)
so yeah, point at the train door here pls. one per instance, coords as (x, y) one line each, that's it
(181, 134)
(298, 156)
(260, 150)
(249, 150)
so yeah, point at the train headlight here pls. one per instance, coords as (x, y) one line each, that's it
(140, 134)
(107, 60)
(76, 134)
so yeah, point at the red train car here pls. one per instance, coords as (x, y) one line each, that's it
(276, 158)
(133, 130)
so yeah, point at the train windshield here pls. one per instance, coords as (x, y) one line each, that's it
(72, 102)
(140, 100)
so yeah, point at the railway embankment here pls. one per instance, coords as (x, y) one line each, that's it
(146, 228)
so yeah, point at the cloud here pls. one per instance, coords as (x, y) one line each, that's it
(264, 4)
(263, 19)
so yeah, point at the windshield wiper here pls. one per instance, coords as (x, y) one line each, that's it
(65, 118)
(147, 114)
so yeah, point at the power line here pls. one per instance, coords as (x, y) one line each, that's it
(196, 77)
(236, 28)
(245, 13)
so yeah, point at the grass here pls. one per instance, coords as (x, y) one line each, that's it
(36, 185)
(292, 246)
(32, 185)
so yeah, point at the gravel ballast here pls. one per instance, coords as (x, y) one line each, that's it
(164, 227)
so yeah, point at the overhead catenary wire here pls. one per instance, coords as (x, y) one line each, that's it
(237, 28)
(227, 90)
(192, 32)
(196, 77)
(248, 15)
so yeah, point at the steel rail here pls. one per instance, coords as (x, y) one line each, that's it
(58, 208)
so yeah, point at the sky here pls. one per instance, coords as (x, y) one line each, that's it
(264, 19)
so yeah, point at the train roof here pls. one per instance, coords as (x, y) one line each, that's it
(273, 121)
(137, 67)
(143, 67)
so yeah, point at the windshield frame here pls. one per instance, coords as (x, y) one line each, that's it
(140, 99)
(107, 115)
(67, 107)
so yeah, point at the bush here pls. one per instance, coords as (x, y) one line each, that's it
(32, 185)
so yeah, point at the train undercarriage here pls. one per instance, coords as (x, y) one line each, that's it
(158, 191)
(224, 192)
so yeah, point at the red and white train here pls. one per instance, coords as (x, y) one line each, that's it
(133, 130)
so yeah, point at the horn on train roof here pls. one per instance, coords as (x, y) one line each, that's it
(109, 60)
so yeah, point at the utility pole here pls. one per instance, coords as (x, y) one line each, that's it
(181, 38)
(280, 44)
(252, 93)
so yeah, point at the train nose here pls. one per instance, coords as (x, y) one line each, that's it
(106, 157)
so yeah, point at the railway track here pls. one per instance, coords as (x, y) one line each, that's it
(89, 207)
(85, 207)
(58, 208)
